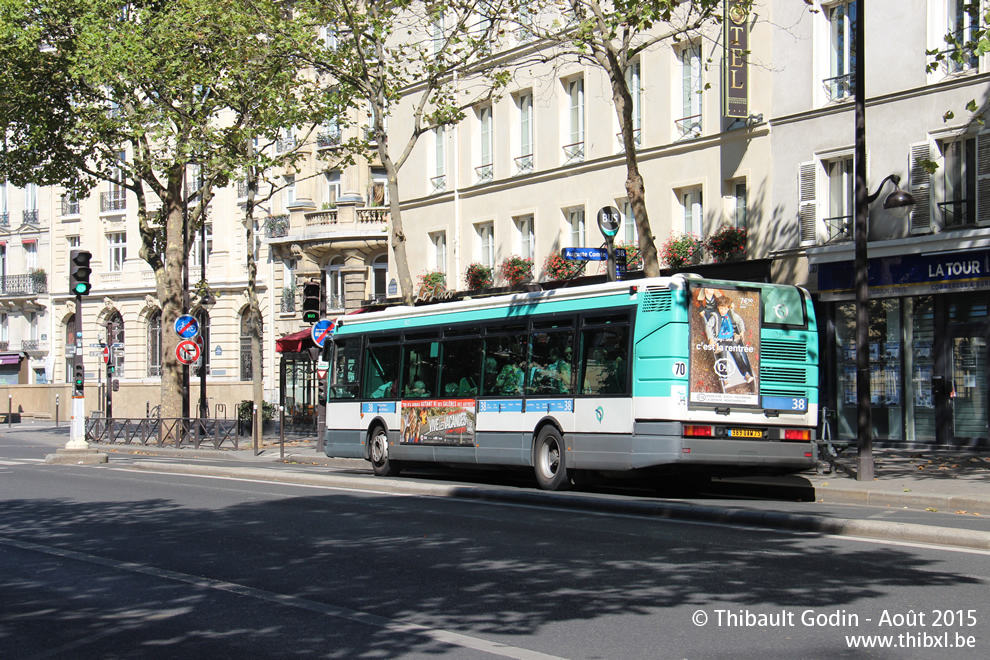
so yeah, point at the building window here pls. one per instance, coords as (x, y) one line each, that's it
(840, 82)
(692, 211)
(335, 284)
(332, 189)
(486, 243)
(841, 197)
(524, 236)
(957, 207)
(962, 24)
(635, 86)
(196, 255)
(630, 233)
(31, 255)
(378, 195)
(247, 365)
(30, 214)
(575, 224)
(689, 125)
(116, 251)
(524, 161)
(73, 242)
(438, 35)
(4, 213)
(115, 199)
(380, 276)
(574, 150)
(439, 180)
(739, 201)
(155, 344)
(439, 241)
(485, 169)
(289, 192)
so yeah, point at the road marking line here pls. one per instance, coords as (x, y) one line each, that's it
(392, 625)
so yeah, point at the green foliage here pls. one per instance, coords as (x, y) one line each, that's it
(515, 269)
(479, 276)
(432, 283)
(682, 249)
(726, 242)
(246, 408)
(557, 268)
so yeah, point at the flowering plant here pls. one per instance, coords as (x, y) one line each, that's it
(479, 276)
(726, 242)
(558, 268)
(634, 258)
(515, 269)
(432, 282)
(682, 249)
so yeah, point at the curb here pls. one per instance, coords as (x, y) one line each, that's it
(888, 531)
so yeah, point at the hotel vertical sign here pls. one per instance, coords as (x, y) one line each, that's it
(736, 83)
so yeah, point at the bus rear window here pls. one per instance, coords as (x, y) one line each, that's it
(783, 306)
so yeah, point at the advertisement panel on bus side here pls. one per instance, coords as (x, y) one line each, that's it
(725, 346)
(438, 422)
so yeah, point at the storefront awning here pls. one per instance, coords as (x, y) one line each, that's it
(297, 342)
(10, 358)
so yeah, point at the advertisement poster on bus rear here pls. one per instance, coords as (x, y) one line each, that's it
(438, 422)
(725, 346)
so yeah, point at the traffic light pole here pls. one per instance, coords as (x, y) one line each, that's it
(109, 368)
(77, 425)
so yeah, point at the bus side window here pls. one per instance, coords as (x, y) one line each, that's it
(461, 366)
(550, 371)
(344, 375)
(505, 365)
(603, 360)
(420, 371)
(381, 372)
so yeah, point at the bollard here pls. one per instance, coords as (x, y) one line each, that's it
(254, 428)
(10, 409)
(56, 411)
(281, 431)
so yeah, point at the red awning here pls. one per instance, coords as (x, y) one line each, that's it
(297, 342)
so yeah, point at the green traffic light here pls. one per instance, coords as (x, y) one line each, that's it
(80, 289)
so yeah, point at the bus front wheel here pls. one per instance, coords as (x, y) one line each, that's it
(550, 466)
(379, 454)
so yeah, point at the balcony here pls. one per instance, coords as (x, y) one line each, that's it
(4, 346)
(288, 302)
(439, 184)
(5, 219)
(32, 284)
(328, 140)
(574, 153)
(372, 215)
(277, 226)
(839, 87)
(285, 144)
(688, 126)
(485, 172)
(115, 200)
(956, 214)
(70, 206)
(324, 218)
(524, 164)
(30, 216)
(839, 228)
(637, 139)
(30, 345)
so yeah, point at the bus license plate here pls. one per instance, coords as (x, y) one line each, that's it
(745, 433)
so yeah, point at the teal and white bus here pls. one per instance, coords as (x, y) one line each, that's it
(673, 374)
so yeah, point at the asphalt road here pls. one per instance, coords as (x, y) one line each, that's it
(108, 562)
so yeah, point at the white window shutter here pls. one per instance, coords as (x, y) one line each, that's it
(983, 178)
(920, 189)
(808, 203)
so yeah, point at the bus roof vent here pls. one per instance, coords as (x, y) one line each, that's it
(657, 299)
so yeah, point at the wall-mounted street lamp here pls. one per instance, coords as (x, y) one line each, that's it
(898, 201)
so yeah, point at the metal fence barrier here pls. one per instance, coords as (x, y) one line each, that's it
(174, 431)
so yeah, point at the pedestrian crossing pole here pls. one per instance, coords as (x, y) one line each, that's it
(77, 423)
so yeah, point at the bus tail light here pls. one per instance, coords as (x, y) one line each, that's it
(801, 435)
(699, 431)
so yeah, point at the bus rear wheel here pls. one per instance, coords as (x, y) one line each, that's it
(379, 454)
(548, 460)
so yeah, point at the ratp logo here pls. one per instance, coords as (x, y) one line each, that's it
(600, 414)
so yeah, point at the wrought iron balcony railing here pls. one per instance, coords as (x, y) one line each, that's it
(328, 140)
(277, 226)
(285, 144)
(955, 213)
(70, 206)
(573, 153)
(29, 344)
(524, 164)
(839, 228)
(5, 219)
(439, 184)
(485, 172)
(24, 285)
(689, 126)
(839, 87)
(115, 200)
(30, 216)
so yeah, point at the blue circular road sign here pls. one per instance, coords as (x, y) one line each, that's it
(321, 330)
(186, 326)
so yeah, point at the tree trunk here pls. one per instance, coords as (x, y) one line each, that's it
(398, 237)
(255, 321)
(171, 293)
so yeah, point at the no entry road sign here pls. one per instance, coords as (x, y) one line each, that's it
(187, 351)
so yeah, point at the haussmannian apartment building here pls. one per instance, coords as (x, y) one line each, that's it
(526, 175)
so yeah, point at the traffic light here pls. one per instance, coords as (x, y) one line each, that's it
(79, 272)
(311, 302)
(321, 391)
(78, 379)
